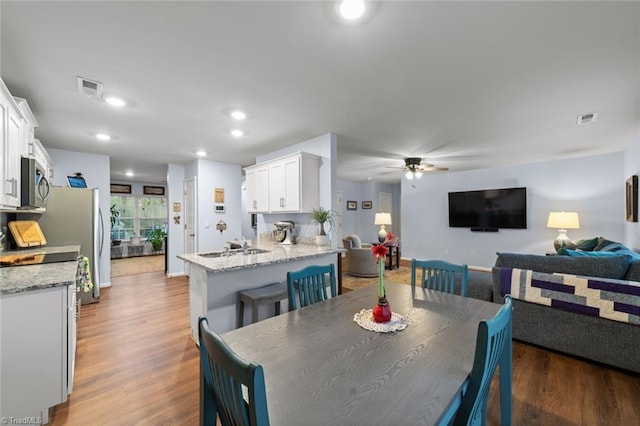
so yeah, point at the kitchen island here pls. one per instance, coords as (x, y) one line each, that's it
(214, 280)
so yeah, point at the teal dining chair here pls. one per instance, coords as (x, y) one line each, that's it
(310, 285)
(440, 275)
(223, 374)
(493, 348)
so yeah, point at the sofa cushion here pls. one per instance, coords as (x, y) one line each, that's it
(604, 267)
(633, 273)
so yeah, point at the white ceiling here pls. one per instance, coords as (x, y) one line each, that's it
(464, 84)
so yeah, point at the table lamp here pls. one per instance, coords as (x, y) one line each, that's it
(563, 221)
(382, 219)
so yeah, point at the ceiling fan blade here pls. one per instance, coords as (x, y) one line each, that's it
(432, 168)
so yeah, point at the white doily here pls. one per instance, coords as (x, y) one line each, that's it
(364, 319)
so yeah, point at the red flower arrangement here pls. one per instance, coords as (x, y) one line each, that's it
(382, 311)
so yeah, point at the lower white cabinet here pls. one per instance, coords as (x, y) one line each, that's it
(37, 352)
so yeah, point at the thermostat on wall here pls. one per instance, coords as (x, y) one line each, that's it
(219, 208)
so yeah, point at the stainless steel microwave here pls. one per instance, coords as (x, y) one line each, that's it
(34, 184)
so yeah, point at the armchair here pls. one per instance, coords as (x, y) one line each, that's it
(360, 261)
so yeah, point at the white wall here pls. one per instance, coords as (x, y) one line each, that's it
(211, 175)
(324, 146)
(96, 171)
(592, 186)
(632, 167)
(175, 231)
(361, 221)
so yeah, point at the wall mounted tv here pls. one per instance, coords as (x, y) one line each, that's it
(489, 209)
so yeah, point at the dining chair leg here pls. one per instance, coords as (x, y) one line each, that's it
(505, 371)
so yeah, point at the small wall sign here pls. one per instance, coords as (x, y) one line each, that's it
(352, 205)
(218, 196)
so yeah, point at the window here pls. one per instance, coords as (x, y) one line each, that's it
(139, 214)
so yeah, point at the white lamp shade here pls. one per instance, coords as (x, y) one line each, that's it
(563, 220)
(383, 219)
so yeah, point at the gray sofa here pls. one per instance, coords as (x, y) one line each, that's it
(599, 339)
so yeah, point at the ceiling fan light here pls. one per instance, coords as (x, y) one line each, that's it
(409, 175)
(418, 174)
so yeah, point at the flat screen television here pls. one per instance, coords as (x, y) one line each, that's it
(488, 209)
(76, 182)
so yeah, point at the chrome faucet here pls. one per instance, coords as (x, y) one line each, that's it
(245, 246)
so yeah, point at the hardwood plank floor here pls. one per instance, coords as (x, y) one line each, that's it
(137, 365)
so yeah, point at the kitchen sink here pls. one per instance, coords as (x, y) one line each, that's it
(233, 252)
(256, 251)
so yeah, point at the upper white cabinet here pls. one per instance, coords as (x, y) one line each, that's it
(290, 184)
(257, 181)
(12, 148)
(28, 128)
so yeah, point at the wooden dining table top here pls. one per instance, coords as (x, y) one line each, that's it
(322, 368)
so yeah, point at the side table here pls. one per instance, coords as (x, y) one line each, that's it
(135, 250)
(394, 251)
(116, 252)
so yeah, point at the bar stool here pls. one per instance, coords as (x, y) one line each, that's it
(270, 293)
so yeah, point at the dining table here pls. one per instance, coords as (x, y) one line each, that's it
(322, 368)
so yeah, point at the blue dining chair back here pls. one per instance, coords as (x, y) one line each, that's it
(310, 285)
(223, 374)
(440, 275)
(493, 346)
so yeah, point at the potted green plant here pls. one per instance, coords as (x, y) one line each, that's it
(321, 216)
(115, 222)
(156, 237)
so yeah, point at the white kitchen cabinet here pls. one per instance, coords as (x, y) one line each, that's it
(12, 148)
(291, 184)
(28, 128)
(38, 351)
(257, 184)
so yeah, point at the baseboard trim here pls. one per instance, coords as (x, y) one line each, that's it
(177, 274)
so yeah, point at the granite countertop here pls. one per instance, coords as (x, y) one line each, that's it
(18, 279)
(276, 254)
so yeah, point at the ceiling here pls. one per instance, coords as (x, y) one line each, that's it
(464, 84)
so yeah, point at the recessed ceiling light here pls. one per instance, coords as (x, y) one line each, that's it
(238, 115)
(103, 136)
(128, 173)
(351, 9)
(114, 101)
(201, 153)
(237, 133)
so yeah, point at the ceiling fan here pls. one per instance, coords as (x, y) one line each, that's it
(414, 167)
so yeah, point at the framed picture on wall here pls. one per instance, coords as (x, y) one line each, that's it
(153, 190)
(367, 205)
(120, 188)
(352, 205)
(631, 192)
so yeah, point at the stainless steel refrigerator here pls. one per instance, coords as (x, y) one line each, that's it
(73, 216)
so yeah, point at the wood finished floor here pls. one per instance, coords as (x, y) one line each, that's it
(136, 365)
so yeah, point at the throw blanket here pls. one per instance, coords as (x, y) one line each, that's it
(612, 299)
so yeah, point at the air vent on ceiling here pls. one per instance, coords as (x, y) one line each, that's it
(89, 87)
(587, 118)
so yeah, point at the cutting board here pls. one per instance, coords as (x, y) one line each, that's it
(27, 233)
